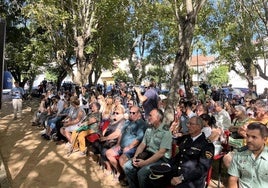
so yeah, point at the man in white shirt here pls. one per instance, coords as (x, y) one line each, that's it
(17, 93)
(223, 119)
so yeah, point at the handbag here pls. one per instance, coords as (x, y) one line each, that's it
(82, 128)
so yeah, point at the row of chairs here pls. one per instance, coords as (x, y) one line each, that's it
(218, 157)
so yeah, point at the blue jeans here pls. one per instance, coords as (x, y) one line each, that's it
(52, 122)
(138, 177)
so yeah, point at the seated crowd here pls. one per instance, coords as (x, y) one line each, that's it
(114, 128)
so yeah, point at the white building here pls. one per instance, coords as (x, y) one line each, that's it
(203, 65)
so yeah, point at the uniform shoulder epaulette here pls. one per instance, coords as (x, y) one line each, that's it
(244, 148)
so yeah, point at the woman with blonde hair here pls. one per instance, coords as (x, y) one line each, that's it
(110, 135)
(108, 108)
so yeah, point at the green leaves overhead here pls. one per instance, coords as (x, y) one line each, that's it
(237, 30)
(218, 76)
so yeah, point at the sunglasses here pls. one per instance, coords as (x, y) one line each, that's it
(133, 113)
(116, 113)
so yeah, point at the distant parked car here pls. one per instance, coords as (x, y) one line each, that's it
(235, 93)
(164, 91)
(196, 90)
(244, 90)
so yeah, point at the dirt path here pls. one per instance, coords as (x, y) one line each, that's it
(33, 162)
(36, 163)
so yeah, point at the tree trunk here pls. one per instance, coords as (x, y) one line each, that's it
(83, 66)
(186, 25)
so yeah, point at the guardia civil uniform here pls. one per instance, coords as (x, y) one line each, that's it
(154, 139)
(252, 172)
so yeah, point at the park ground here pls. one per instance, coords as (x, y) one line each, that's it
(28, 161)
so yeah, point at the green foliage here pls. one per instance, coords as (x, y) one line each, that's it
(236, 30)
(218, 76)
(159, 74)
(123, 76)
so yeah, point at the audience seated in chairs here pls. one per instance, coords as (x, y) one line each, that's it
(128, 141)
(109, 136)
(73, 120)
(261, 115)
(191, 164)
(51, 123)
(88, 127)
(41, 113)
(155, 148)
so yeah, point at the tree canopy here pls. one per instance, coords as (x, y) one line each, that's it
(83, 38)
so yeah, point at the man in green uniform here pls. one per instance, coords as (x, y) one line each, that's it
(156, 144)
(249, 167)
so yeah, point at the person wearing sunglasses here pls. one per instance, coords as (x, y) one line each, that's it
(132, 134)
(110, 135)
(155, 148)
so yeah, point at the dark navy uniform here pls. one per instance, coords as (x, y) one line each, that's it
(193, 161)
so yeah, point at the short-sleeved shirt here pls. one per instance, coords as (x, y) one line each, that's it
(132, 130)
(95, 126)
(157, 138)
(251, 172)
(17, 92)
(223, 119)
(151, 102)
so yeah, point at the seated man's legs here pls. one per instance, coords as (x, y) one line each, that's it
(59, 125)
(74, 140)
(111, 155)
(51, 124)
(82, 140)
(131, 174)
(123, 159)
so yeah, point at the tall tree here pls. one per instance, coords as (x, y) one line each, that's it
(185, 13)
(238, 30)
(91, 29)
(21, 54)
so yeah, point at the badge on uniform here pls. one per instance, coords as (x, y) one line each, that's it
(208, 154)
(194, 148)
